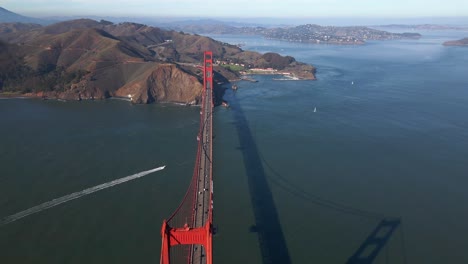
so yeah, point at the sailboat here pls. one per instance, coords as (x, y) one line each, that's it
(315, 109)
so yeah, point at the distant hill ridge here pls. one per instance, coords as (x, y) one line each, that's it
(87, 59)
(7, 16)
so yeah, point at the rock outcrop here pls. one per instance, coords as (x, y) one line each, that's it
(166, 83)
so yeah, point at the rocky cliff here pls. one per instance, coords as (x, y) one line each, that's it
(150, 83)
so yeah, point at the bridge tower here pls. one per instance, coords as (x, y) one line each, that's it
(190, 227)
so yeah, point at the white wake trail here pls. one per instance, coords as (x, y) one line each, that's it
(76, 195)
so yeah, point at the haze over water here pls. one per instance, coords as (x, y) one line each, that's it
(390, 135)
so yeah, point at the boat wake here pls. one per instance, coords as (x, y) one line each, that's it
(75, 195)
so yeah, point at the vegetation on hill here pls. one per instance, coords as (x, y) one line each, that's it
(17, 76)
(276, 61)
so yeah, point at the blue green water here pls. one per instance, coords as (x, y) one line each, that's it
(393, 142)
(50, 149)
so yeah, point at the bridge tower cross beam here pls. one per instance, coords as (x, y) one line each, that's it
(208, 73)
(186, 236)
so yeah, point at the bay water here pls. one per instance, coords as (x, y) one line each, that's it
(383, 129)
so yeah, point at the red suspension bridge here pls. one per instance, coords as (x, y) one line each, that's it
(187, 233)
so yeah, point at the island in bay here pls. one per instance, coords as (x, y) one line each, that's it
(88, 59)
(461, 42)
(309, 33)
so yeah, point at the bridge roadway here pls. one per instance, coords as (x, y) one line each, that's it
(204, 185)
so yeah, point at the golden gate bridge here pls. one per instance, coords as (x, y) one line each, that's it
(187, 235)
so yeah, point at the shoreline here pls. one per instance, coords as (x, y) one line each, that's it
(18, 96)
(287, 76)
(115, 98)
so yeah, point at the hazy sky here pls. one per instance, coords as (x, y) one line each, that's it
(241, 8)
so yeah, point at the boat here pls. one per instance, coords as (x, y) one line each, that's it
(315, 109)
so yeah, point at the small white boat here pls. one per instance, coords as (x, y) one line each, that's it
(315, 109)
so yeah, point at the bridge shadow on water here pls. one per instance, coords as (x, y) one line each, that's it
(267, 224)
(375, 242)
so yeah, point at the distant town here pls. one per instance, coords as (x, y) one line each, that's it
(335, 35)
(309, 33)
(425, 27)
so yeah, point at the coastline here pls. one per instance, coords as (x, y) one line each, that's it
(9, 95)
(287, 76)
(315, 42)
(6, 96)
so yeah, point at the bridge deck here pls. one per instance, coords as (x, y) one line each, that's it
(189, 228)
(204, 188)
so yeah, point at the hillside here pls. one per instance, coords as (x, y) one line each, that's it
(87, 59)
(7, 16)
